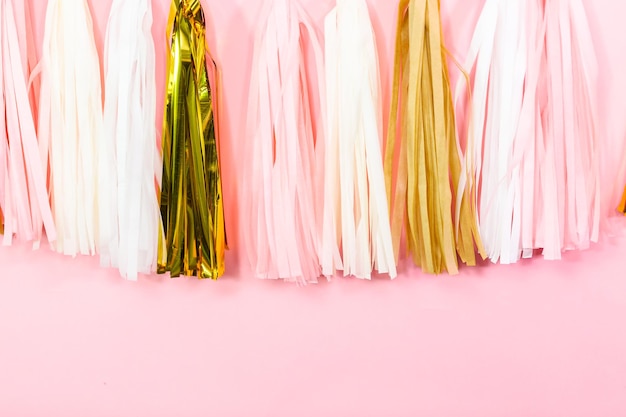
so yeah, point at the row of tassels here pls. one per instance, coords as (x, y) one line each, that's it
(321, 192)
(520, 174)
(91, 174)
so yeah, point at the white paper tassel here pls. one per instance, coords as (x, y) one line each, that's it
(498, 56)
(355, 208)
(70, 122)
(129, 159)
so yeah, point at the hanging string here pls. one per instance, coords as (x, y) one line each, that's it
(129, 160)
(193, 236)
(427, 179)
(356, 215)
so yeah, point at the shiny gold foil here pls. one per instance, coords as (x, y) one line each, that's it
(429, 167)
(194, 237)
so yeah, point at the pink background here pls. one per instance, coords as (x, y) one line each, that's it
(536, 339)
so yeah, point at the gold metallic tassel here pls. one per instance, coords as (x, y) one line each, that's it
(429, 167)
(194, 238)
(622, 205)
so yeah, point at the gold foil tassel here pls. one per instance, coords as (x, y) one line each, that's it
(622, 205)
(429, 167)
(194, 237)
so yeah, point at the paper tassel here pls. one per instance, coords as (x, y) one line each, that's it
(505, 54)
(429, 168)
(279, 205)
(129, 161)
(24, 204)
(571, 135)
(194, 237)
(533, 135)
(70, 123)
(356, 216)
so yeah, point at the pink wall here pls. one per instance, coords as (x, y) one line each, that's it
(537, 339)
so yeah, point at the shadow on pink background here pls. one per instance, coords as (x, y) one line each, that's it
(537, 339)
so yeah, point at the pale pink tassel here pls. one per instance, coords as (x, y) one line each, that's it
(279, 205)
(571, 122)
(525, 151)
(23, 178)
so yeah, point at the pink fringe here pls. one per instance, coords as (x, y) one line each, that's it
(23, 174)
(280, 208)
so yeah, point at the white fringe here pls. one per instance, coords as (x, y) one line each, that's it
(70, 122)
(129, 160)
(356, 215)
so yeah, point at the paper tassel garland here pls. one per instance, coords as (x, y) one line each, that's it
(533, 136)
(24, 203)
(70, 123)
(129, 160)
(192, 207)
(429, 170)
(356, 216)
(280, 209)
